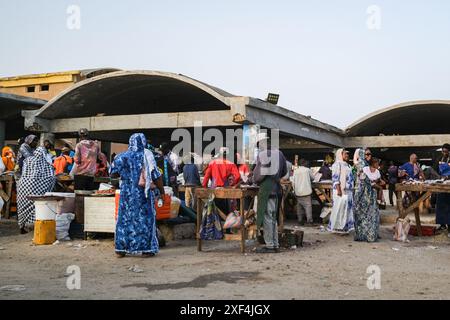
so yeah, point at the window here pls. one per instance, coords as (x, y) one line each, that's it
(45, 87)
(31, 89)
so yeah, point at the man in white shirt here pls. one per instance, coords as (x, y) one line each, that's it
(301, 181)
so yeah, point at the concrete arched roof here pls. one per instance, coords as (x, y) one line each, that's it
(135, 92)
(415, 117)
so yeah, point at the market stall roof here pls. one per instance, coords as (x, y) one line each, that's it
(409, 118)
(115, 104)
(11, 105)
(135, 92)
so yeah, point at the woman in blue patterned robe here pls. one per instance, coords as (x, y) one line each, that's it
(136, 228)
(341, 219)
(366, 211)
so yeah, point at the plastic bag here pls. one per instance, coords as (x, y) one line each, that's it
(234, 220)
(211, 228)
(401, 230)
(63, 221)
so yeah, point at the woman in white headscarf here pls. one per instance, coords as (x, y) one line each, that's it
(341, 219)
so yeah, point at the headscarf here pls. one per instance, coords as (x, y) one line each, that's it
(29, 139)
(357, 156)
(144, 158)
(8, 158)
(342, 168)
(37, 165)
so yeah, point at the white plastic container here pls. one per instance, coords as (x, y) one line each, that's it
(45, 209)
(168, 190)
(66, 205)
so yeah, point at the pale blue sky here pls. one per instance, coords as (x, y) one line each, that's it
(318, 55)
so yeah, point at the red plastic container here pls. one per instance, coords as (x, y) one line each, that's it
(163, 213)
(427, 231)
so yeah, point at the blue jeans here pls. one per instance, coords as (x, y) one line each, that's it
(271, 224)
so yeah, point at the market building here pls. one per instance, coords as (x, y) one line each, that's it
(115, 104)
(30, 92)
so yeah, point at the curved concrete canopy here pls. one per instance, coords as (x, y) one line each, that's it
(135, 92)
(410, 118)
(11, 105)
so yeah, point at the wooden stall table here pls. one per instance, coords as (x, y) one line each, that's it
(6, 194)
(325, 189)
(425, 190)
(224, 193)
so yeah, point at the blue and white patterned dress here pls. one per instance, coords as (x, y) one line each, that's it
(341, 219)
(366, 211)
(136, 228)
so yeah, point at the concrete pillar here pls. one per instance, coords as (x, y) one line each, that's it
(106, 149)
(2, 133)
(47, 136)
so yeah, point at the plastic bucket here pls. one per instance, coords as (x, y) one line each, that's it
(45, 209)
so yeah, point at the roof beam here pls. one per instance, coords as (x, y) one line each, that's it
(296, 144)
(289, 123)
(429, 140)
(144, 121)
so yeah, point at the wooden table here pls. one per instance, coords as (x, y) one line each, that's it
(8, 179)
(425, 190)
(325, 189)
(224, 193)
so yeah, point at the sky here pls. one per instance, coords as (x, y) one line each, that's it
(336, 61)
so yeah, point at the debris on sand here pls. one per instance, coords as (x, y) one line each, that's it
(135, 269)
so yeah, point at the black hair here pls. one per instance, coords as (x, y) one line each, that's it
(303, 163)
(446, 146)
(374, 160)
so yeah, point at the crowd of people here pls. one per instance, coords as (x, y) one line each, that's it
(357, 185)
(358, 190)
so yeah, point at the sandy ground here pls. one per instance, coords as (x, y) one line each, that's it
(327, 267)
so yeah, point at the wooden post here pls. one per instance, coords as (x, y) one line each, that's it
(199, 222)
(9, 185)
(418, 223)
(400, 204)
(243, 233)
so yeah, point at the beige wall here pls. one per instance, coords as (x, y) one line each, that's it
(54, 90)
(118, 148)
